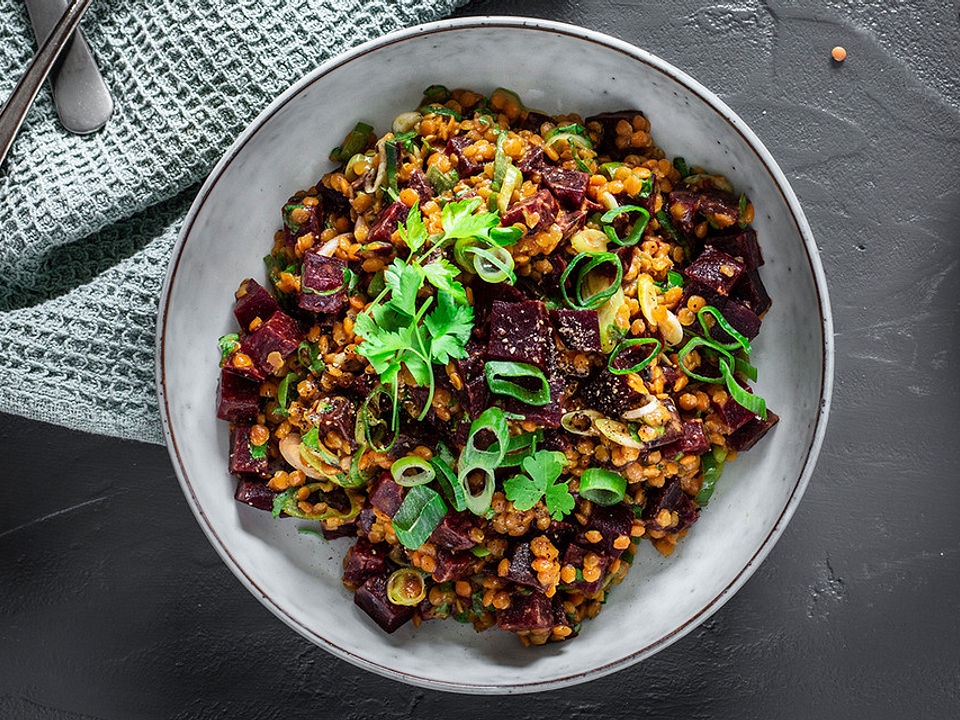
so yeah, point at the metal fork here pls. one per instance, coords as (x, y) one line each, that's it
(15, 109)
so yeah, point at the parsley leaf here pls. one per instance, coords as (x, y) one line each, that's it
(449, 325)
(414, 232)
(229, 343)
(441, 273)
(403, 281)
(459, 221)
(543, 469)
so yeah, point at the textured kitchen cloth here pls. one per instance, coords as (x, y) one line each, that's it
(87, 223)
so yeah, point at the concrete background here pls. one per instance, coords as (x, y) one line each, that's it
(114, 605)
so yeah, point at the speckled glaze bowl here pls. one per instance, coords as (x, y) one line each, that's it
(556, 68)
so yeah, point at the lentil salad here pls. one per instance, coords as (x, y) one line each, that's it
(499, 349)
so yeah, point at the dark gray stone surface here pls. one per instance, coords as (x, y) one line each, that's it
(114, 605)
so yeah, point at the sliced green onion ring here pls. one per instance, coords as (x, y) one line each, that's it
(602, 487)
(418, 516)
(500, 376)
(571, 138)
(311, 441)
(449, 485)
(624, 344)
(493, 420)
(739, 340)
(691, 345)
(511, 181)
(598, 298)
(437, 93)
(501, 161)
(442, 181)
(411, 471)
(406, 586)
(288, 502)
(477, 504)
(440, 110)
(638, 226)
(608, 168)
(356, 142)
(753, 403)
(367, 422)
(712, 464)
(573, 421)
(390, 153)
(493, 265)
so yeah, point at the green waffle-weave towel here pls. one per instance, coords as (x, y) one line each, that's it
(87, 223)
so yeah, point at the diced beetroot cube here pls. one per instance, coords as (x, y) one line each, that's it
(532, 611)
(750, 433)
(238, 397)
(372, 599)
(575, 555)
(322, 286)
(387, 495)
(572, 222)
(693, 442)
(533, 122)
(453, 566)
(672, 428)
(722, 209)
(578, 329)
(334, 201)
(613, 522)
(387, 222)
(255, 494)
(340, 531)
(465, 166)
(607, 142)
(241, 457)
(611, 394)
(560, 532)
(280, 334)
(365, 521)
(536, 212)
(733, 414)
(364, 560)
(682, 208)
(752, 292)
(741, 317)
(418, 183)
(715, 269)
(474, 395)
(300, 219)
(253, 301)
(453, 532)
(741, 244)
(670, 497)
(519, 332)
(532, 160)
(569, 186)
(550, 283)
(549, 415)
(521, 568)
(335, 413)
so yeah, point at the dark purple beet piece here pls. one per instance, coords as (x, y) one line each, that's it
(733, 414)
(549, 415)
(335, 414)
(253, 301)
(560, 532)
(607, 143)
(311, 220)
(693, 442)
(364, 560)
(550, 283)
(682, 209)
(419, 183)
(743, 319)
(365, 520)
(521, 569)
(715, 269)
(279, 334)
(568, 185)
(255, 494)
(572, 222)
(527, 612)
(536, 212)
(672, 428)
(722, 209)
(610, 394)
(750, 433)
(241, 457)
(533, 121)
(575, 555)
(578, 329)
(742, 244)
(372, 599)
(341, 531)
(334, 200)
(465, 167)
(387, 222)
(670, 497)
(238, 397)
(532, 160)
(519, 332)
(322, 274)
(554, 439)
(612, 521)
(453, 532)
(453, 566)
(751, 291)
(386, 496)
(474, 395)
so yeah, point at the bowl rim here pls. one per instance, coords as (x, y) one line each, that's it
(813, 259)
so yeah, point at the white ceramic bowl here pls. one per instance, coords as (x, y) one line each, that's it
(556, 68)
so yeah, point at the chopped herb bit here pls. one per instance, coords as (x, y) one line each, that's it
(543, 469)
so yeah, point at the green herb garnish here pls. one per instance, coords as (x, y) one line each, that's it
(543, 470)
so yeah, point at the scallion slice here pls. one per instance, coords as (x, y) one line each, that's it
(406, 586)
(411, 471)
(418, 516)
(739, 340)
(440, 110)
(501, 379)
(356, 142)
(580, 422)
(501, 161)
(638, 226)
(390, 153)
(712, 465)
(478, 503)
(368, 423)
(640, 365)
(511, 181)
(494, 421)
(449, 485)
(753, 403)
(437, 93)
(593, 260)
(608, 168)
(440, 180)
(493, 265)
(602, 487)
(681, 165)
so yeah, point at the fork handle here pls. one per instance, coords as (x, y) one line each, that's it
(15, 109)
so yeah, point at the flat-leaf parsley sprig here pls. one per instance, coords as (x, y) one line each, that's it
(543, 469)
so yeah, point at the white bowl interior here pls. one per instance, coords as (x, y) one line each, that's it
(298, 576)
